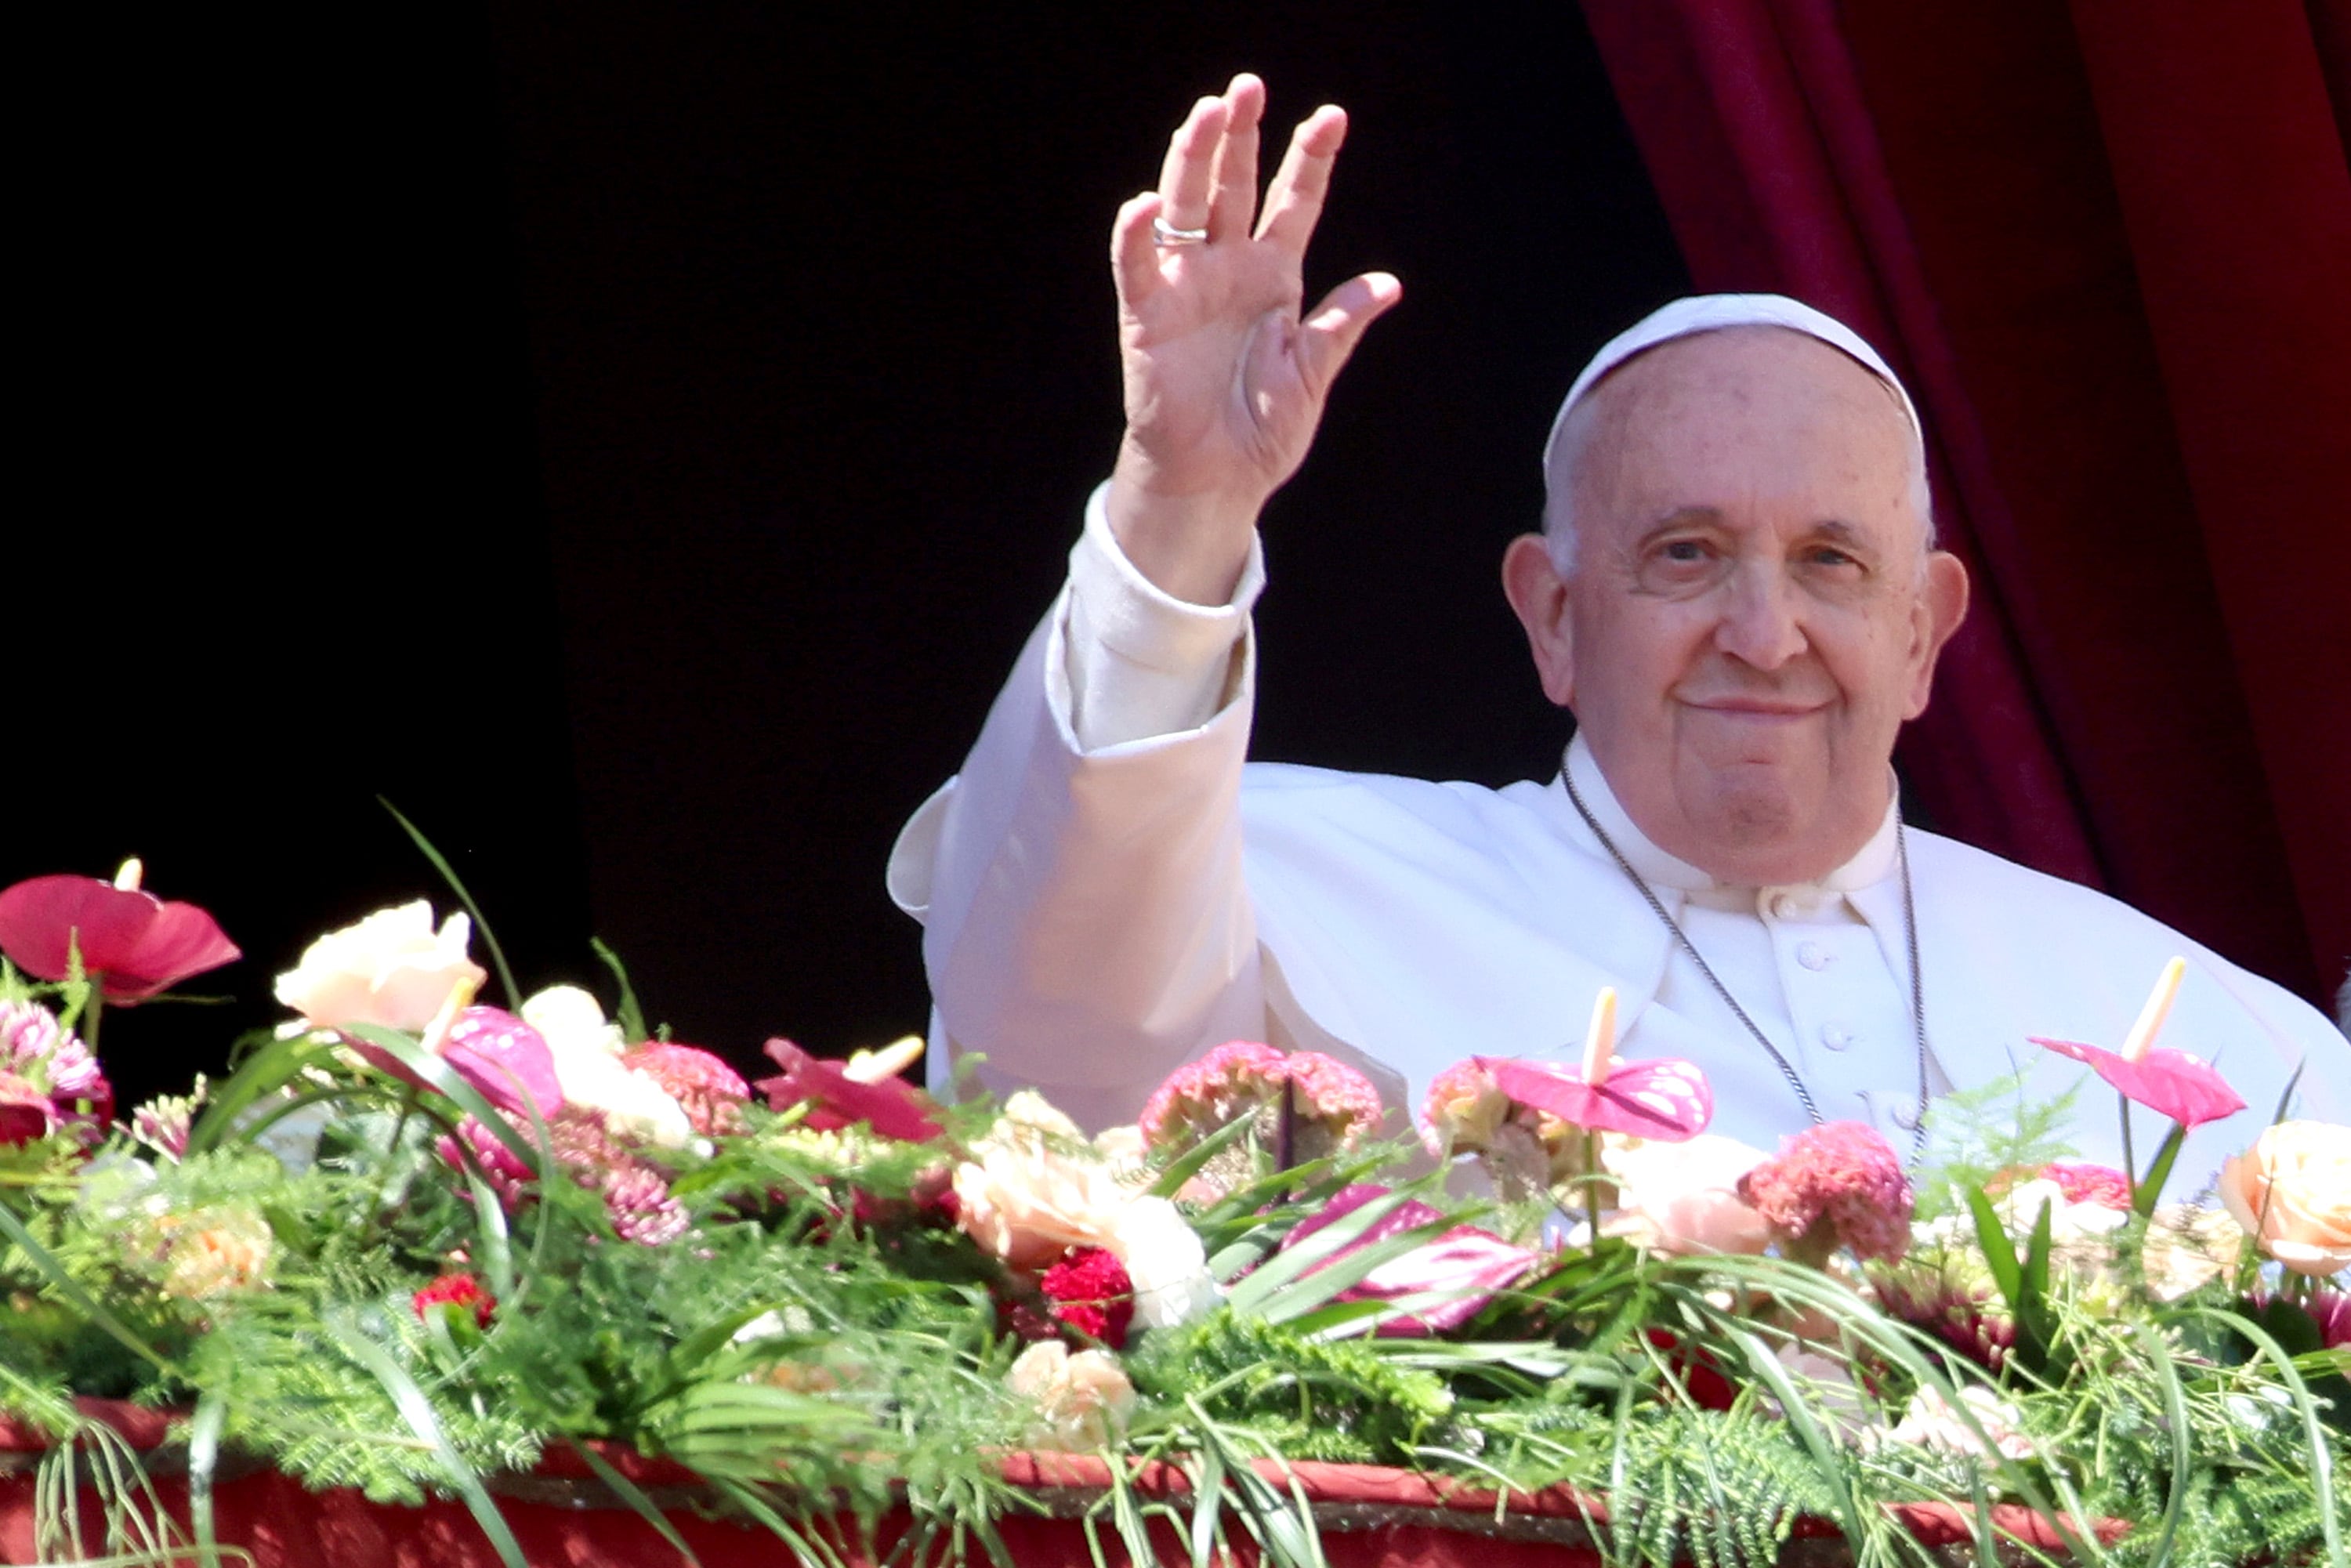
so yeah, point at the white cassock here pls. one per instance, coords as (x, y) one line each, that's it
(1108, 891)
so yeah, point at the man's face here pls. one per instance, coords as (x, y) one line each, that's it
(1753, 612)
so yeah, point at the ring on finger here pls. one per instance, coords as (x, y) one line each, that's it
(1166, 234)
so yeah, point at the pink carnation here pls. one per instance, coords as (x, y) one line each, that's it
(1837, 1185)
(2102, 1185)
(1091, 1290)
(641, 1210)
(46, 1061)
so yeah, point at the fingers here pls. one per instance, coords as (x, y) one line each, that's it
(1328, 336)
(1294, 202)
(1133, 259)
(1185, 178)
(1233, 188)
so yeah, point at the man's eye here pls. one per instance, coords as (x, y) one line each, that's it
(1685, 552)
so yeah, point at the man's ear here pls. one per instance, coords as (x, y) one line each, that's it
(1941, 607)
(1538, 593)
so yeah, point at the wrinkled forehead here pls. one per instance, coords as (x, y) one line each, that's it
(1704, 315)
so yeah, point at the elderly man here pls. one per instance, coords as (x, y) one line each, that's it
(1735, 593)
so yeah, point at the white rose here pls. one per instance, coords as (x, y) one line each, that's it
(391, 969)
(1933, 1423)
(572, 1021)
(1162, 1255)
(588, 1068)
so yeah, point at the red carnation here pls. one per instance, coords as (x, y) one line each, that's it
(2102, 1185)
(458, 1290)
(133, 943)
(1091, 1292)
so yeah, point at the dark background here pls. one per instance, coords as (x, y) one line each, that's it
(636, 439)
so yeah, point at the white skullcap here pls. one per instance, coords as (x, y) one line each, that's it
(1710, 313)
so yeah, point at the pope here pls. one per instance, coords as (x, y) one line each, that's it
(1736, 592)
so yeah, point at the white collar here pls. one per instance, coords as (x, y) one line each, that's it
(1872, 864)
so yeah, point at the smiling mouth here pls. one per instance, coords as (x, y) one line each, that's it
(1761, 712)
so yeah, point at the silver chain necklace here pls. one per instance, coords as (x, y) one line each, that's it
(1681, 938)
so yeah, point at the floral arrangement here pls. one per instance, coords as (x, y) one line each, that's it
(416, 1239)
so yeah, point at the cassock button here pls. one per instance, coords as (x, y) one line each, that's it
(1837, 1037)
(1811, 954)
(1785, 905)
(1905, 1113)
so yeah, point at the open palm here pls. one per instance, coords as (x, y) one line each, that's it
(1225, 376)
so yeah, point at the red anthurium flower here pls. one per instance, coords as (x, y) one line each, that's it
(1472, 1264)
(2170, 1082)
(893, 1108)
(134, 943)
(25, 1112)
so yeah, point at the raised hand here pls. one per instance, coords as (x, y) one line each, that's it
(1225, 376)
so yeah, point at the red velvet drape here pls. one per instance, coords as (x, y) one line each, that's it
(2110, 249)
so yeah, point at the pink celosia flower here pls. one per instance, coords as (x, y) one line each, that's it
(1304, 1106)
(460, 1291)
(1244, 1078)
(892, 1107)
(1463, 1110)
(2100, 1184)
(133, 943)
(1837, 1185)
(1091, 1292)
(711, 1093)
(1471, 1265)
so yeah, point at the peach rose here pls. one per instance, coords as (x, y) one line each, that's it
(392, 969)
(1025, 1202)
(1685, 1195)
(2292, 1190)
(1082, 1399)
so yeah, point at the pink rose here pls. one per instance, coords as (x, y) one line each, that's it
(1686, 1194)
(392, 969)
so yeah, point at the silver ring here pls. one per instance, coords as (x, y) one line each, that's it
(1165, 235)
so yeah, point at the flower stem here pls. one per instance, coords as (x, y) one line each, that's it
(2130, 1160)
(1592, 1184)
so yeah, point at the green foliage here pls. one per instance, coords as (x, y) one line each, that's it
(1312, 1399)
(1990, 1131)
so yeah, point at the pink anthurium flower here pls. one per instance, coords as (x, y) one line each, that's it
(892, 1107)
(2170, 1082)
(505, 1057)
(1471, 1263)
(133, 943)
(1665, 1098)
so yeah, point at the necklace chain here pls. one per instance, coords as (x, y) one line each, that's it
(1681, 939)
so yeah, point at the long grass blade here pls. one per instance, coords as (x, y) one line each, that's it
(449, 874)
(416, 1410)
(627, 1492)
(71, 1289)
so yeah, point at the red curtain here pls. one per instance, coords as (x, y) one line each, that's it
(2110, 250)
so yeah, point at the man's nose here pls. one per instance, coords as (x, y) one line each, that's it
(1759, 624)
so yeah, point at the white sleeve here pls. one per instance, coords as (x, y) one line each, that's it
(1087, 926)
(1141, 662)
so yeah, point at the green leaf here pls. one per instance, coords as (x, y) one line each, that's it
(449, 874)
(417, 1411)
(1191, 1162)
(2159, 1169)
(627, 1492)
(71, 1289)
(625, 1011)
(203, 1459)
